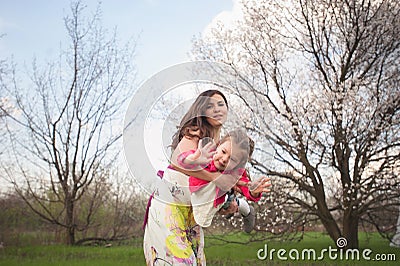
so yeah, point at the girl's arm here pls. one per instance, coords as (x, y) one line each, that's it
(185, 145)
(253, 189)
(259, 186)
(197, 159)
(225, 183)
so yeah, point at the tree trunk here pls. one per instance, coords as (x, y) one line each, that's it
(395, 242)
(69, 219)
(350, 228)
(331, 228)
(71, 235)
(329, 222)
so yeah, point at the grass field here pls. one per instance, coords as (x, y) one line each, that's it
(217, 253)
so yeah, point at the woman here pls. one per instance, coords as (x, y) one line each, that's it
(172, 236)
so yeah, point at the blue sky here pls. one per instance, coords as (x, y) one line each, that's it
(165, 28)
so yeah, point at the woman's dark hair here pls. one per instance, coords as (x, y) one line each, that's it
(195, 120)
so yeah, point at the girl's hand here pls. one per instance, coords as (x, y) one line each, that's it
(204, 153)
(260, 185)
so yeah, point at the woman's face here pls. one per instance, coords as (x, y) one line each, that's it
(216, 111)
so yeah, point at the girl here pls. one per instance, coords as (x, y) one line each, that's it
(231, 155)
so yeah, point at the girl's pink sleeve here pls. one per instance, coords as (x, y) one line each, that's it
(194, 182)
(181, 158)
(245, 190)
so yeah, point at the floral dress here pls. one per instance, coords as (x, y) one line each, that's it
(172, 236)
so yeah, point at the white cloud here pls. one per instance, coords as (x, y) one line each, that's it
(227, 17)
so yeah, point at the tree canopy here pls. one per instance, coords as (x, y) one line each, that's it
(322, 78)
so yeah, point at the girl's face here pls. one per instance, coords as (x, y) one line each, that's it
(216, 111)
(224, 158)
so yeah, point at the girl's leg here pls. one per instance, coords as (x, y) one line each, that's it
(248, 213)
(244, 207)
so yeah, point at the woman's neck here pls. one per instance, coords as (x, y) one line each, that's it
(217, 133)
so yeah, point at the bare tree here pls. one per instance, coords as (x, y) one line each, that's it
(116, 208)
(68, 121)
(3, 72)
(323, 79)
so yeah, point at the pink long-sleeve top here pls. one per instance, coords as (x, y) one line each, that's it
(196, 183)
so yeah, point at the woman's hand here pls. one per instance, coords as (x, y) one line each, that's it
(260, 185)
(231, 209)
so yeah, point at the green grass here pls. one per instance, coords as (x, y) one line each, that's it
(128, 254)
(217, 252)
(63, 255)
